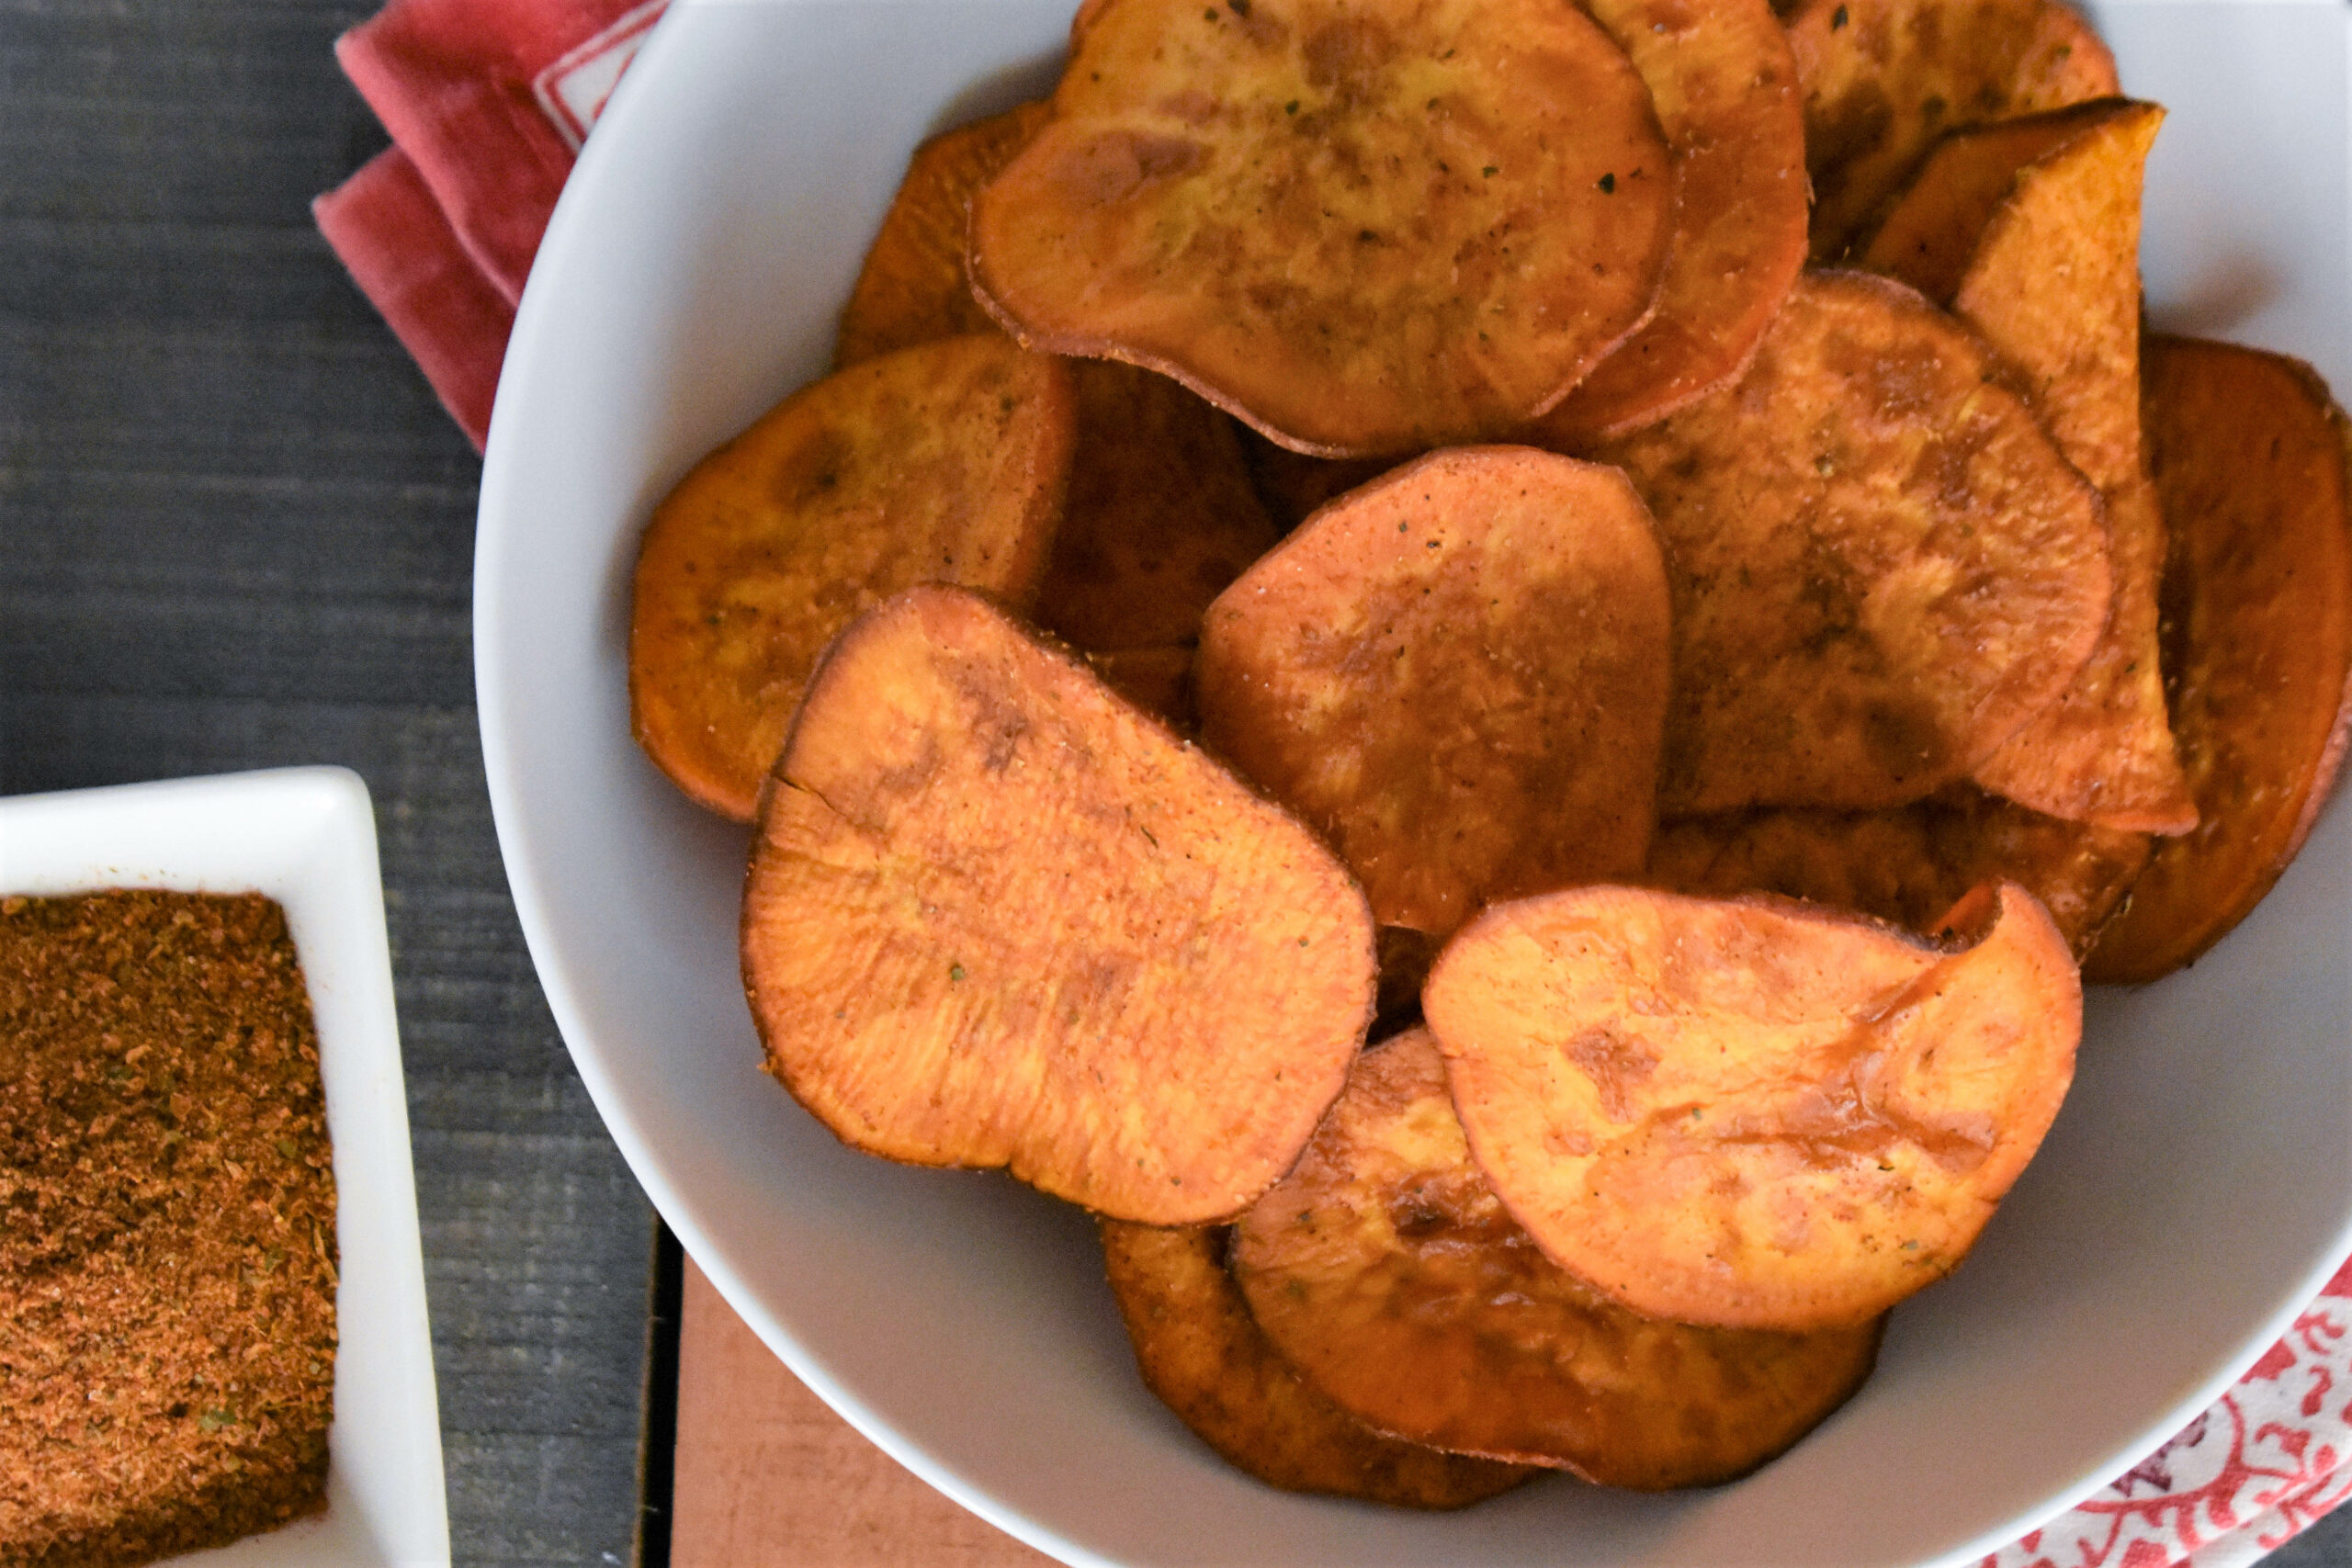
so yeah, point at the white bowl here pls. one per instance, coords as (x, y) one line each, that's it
(2196, 1189)
(307, 838)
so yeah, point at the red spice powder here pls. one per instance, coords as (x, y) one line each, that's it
(167, 1243)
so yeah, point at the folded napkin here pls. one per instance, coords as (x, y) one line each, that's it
(488, 102)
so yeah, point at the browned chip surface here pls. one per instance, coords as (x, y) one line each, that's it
(1930, 234)
(1458, 675)
(997, 917)
(2052, 282)
(1881, 566)
(1725, 86)
(911, 289)
(2249, 454)
(1200, 1352)
(1909, 865)
(1386, 1268)
(1162, 514)
(943, 463)
(1884, 78)
(1749, 1113)
(1363, 226)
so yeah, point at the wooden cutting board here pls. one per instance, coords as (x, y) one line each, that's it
(769, 1477)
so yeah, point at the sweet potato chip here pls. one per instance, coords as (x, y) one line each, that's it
(1362, 226)
(1205, 1359)
(911, 289)
(1162, 514)
(1882, 567)
(1909, 865)
(1386, 1270)
(2052, 283)
(1749, 1113)
(997, 917)
(1927, 237)
(1884, 78)
(946, 462)
(2249, 453)
(1457, 673)
(1725, 86)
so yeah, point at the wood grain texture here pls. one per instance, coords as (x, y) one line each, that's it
(769, 1477)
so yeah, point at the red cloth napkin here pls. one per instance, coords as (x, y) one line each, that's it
(488, 102)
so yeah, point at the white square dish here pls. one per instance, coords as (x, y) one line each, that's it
(306, 837)
(2196, 1189)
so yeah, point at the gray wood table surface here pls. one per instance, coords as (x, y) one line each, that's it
(237, 531)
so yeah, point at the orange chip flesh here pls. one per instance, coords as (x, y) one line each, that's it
(1883, 79)
(997, 917)
(1458, 675)
(2249, 453)
(946, 462)
(1160, 516)
(1386, 1270)
(911, 289)
(1909, 865)
(1927, 235)
(1725, 86)
(1204, 1357)
(1882, 567)
(2052, 283)
(1362, 227)
(1749, 1113)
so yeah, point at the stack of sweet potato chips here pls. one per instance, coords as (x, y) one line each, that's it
(1634, 557)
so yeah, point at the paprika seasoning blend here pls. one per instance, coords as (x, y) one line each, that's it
(167, 1228)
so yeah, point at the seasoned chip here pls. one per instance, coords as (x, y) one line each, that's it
(997, 917)
(1386, 1270)
(945, 463)
(2052, 283)
(1910, 864)
(1365, 226)
(1458, 675)
(1881, 566)
(1884, 78)
(1749, 1113)
(911, 289)
(2250, 456)
(1207, 1359)
(1162, 514)
(1927, 237)
(1725, 86)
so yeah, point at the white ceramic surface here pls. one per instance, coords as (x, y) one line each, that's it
(307, 838)
(2196, 1187)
